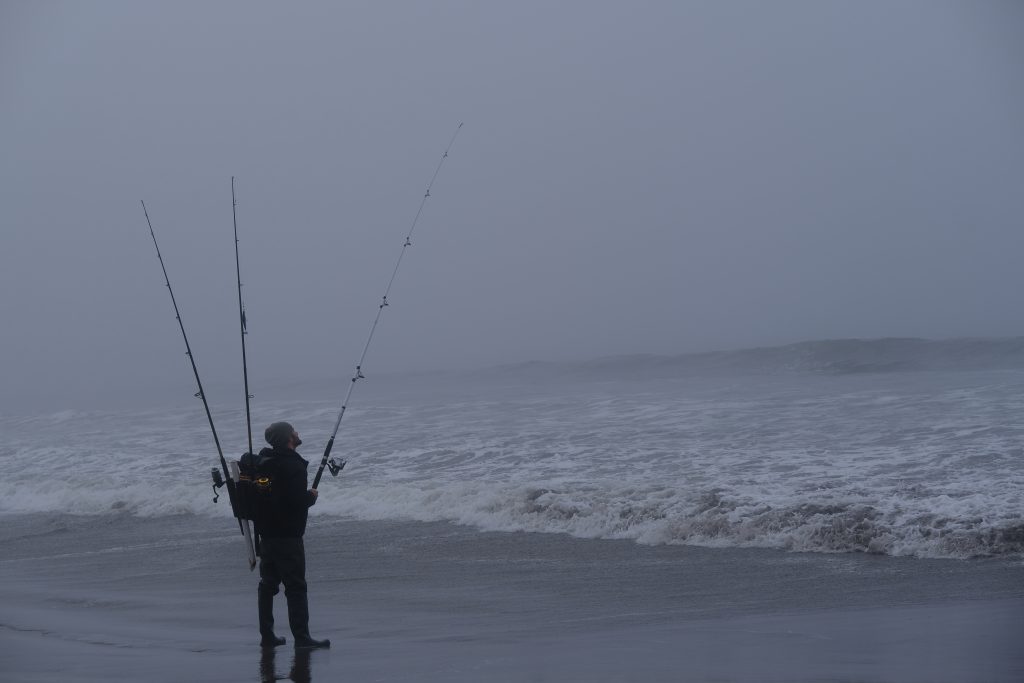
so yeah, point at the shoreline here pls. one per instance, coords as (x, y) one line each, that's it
(170, 599)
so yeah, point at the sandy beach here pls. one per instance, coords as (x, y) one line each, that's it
(675, 341)
(130, 599)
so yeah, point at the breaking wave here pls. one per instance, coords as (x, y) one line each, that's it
(712, 519)
(652, 516)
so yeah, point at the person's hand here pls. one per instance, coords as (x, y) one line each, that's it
(313, 491)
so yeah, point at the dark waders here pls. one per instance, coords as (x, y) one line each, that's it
(283, 560)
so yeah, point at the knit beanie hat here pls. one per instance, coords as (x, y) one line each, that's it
(277, 434)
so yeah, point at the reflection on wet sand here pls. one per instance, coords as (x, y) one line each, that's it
(300, 671)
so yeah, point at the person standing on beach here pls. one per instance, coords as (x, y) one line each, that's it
(280, 527)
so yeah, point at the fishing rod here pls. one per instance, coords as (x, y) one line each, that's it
(242, 503)
(218, 481)
(334, 465)
(201, 393)
(241, 317)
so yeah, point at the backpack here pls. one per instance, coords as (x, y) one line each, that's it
(257, 497)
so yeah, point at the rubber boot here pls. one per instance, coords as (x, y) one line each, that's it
(266, 615)
(310, 643)
(298, 620)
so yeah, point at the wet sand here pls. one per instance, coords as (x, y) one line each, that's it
(128, 599)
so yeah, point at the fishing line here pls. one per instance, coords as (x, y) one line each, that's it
(336, 465)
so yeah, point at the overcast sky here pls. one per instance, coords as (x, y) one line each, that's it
(632, 177)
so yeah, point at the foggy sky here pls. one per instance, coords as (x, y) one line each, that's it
(653, 177)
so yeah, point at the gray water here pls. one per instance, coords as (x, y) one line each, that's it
(925, 463)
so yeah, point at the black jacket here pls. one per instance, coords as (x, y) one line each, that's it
(291, 496)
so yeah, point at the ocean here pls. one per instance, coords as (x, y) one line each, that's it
(921, 463)
(525, 522)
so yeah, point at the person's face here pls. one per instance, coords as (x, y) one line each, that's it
(296, 441)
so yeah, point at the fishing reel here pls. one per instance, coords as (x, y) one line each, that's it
(218, 481)
(336, 466)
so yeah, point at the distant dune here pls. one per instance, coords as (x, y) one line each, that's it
(830, 356)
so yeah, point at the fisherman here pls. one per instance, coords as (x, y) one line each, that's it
(280, 527)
